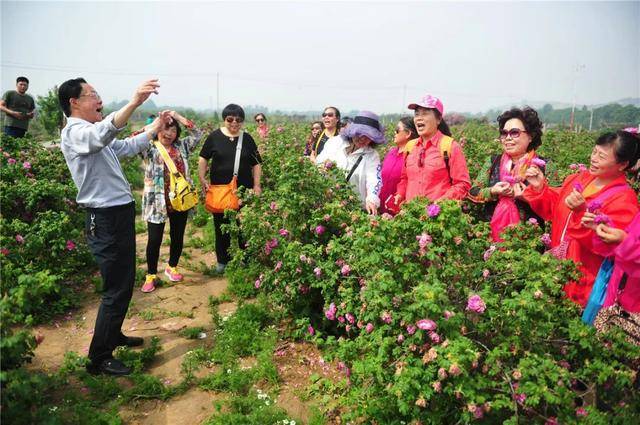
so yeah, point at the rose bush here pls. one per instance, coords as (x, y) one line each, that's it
(428, 320)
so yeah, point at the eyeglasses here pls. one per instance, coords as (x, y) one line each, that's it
(232, 119)
(328, 114)
(93, 94)
(259, 119)
(514, 133)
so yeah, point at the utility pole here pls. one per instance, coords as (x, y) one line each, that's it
(217, 91)
(577, 69)
(591, 119)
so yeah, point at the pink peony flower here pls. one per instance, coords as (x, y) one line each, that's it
(424, 239)
(442, 374)
(328, 165)
(573, 166)
(350, 318)
(411, 329)
(551, 421)
(341, 319)
(476, 304)
(20, 239)
(435, 338)
(278, 266)
(538, 162)
(369, 328)
(386, 317)
(280, 129)
(486, 273)
(400, 339)
(538, 294)
(283, 232)
(345, 270)
(326, 217)
(437, 386)
(303, 258)
(454, 370)
(320, 229)
(4, 251)
(520, 397)
(426, 325)
(273, 206)
(532, 221)
(317, 271)
(448, 314)
(11, 161)
(546, 239)
(304, 289)
(581, 412)
(331, 312)
(258, 283)
(433, 210)
(489, 252)
(26, 165)
(311, 330)
(70, 245)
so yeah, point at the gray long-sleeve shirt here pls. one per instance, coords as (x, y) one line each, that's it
(91, 152)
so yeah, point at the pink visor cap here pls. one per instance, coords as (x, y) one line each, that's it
(430, 102)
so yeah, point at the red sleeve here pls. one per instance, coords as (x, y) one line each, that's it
(621, 208)
(460, 181)
(544, 202)
(402, 185)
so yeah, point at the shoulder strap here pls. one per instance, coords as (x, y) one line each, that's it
(166, 158)
(236, 161)
(445, 149)
(353, 169)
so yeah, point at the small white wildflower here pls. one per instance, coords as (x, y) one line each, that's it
(228, 370)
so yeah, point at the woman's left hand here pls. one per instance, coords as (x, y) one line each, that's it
(575, 200)
(371, 208)
(588, 220)
(610, 234)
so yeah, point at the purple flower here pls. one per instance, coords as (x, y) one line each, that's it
(369, 328)
(319, 229)
(577, 186)
(520, 397)
(435, 338)
(258, 282)
(70, 245)
(546, 239)
(433, 210)
(26, 165)
(532, 221)
(602, 218)
(311, 330)
(476, 304)
(350, 318)
(538, 162)
(487, 254)
(11, 161)
(283, 232)
(426, 325)
(269, 245)
(386, 317)
(331, 312)
(341, 319)
(328, 165)
(411, 329)
(594, 206)
(317, 271)
(346, 270)
(20, 239)
(511, 179)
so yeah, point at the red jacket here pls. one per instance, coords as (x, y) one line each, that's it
(549, 204)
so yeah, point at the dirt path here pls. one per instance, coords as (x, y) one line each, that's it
(163, 313)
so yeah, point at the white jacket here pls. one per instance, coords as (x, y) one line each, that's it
(366, 177)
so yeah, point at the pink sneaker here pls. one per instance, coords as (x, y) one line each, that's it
(149, 283)
(172, 274)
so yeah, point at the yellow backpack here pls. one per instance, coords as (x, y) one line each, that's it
(445, 149)
(182, 195)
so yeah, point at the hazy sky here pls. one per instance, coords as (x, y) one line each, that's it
(308, 54)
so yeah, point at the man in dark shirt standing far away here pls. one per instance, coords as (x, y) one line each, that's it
(18, 107)
(92, 152)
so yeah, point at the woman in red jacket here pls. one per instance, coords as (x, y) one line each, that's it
(601, 189)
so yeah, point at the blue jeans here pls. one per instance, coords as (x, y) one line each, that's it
(14, 131)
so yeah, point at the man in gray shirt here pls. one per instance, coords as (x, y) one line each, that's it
(19, 109)
(91, 150)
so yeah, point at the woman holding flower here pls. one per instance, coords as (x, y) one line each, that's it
(602, 190)
(520, 135)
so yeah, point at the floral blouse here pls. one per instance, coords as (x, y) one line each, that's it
(155, 196)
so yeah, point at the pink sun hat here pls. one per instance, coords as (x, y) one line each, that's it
(430, 102)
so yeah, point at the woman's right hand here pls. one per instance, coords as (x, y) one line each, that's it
(501, 189)
(534, 177)
(610, 234)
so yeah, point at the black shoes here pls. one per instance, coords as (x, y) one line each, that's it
(110, 367)
(132, 341)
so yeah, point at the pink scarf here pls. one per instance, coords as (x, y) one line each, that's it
(506, 212)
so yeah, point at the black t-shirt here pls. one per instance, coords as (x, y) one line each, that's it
(221, 150)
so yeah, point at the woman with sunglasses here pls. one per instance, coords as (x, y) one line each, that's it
(331, 122)
(520, 135)
(261, 125)
(353, 153)
(602, 190)
(435, 167)
(156, 206)
(220, 148)
(393, 163)
(316, 129)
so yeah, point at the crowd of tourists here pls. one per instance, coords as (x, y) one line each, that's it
(594, 215)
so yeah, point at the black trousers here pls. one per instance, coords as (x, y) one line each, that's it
(223, 239)
(177, 226)
(112, 240)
